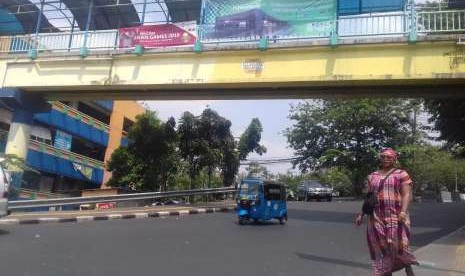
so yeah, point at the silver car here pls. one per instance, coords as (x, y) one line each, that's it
(314, 189)
(4, 186)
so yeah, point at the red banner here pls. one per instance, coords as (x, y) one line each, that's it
(151, 36)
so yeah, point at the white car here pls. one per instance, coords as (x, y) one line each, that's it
(4, 185)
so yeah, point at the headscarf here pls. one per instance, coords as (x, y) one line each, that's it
(389, 152)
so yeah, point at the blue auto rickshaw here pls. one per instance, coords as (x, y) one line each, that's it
(259, 199)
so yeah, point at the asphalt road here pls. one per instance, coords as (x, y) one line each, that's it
(319, 239)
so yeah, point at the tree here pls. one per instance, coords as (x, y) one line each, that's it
(339, 179)
(293, 180)
(213, 131)
(347, 133)
(432, 168)
(448, 116)
(189, 144)
(256, 170)
(206, 142)
(150, 160)
(230, 162)
(250, 140)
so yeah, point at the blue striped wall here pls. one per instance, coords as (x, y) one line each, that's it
(57, 165)
(2, 146)
(73, 126)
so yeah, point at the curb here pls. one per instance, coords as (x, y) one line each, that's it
(113, 216)
(438, 240)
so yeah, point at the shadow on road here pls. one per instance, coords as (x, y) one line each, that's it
(323, 216)
(4, 232)
(335, 261)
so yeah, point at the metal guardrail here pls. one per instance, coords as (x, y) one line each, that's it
(366, 25)
(23, 204)
(441, 22)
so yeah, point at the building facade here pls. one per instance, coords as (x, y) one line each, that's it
(70, 145)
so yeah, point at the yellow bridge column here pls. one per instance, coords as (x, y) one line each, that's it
(18, 136)
(24, 107)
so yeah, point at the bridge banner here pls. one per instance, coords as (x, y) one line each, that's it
(269, 18)
(153, 36)
(349, 7)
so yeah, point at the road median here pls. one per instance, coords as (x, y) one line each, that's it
(98, 215)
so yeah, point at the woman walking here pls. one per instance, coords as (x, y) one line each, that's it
(388, 230)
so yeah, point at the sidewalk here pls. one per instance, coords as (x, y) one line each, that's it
(443, 257)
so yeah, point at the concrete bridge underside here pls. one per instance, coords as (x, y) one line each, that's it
(425, 69)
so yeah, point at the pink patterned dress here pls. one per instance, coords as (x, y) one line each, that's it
(388, 239)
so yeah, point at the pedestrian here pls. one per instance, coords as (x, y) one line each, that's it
(388, 230)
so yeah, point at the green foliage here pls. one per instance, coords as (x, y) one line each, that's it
(201, 153)
(448, 116)
(150, 160)
(12, 163)
(254, 169)
(206, 143)
(347, 133)
(293, 180)
(433, 168)
(190, 144)
(250, 140)
(339, 179)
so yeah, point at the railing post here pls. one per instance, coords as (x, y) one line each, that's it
(198, 47)
(83, 51)
(34, 50)
(412, 37)
(143, 12)
(71, 35)
(334, 36)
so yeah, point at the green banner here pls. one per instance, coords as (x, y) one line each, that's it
(270, 18)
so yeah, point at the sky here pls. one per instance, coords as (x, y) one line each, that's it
(273, 114)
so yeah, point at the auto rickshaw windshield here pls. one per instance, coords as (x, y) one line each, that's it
(248, 189)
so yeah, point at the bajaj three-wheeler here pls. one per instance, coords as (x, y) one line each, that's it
(259, 199)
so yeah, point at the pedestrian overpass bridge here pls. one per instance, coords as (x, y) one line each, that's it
(414, 52)
(411, 52)
(372, 66)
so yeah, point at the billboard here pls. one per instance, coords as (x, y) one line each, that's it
(269, 18)
(153, 36)
(350, 7)
(63, 140)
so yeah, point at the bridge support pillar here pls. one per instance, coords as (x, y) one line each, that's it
(23, 106)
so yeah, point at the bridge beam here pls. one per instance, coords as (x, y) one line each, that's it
(308, 71)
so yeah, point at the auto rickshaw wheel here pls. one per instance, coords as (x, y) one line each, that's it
(283, 220)
(241, 220)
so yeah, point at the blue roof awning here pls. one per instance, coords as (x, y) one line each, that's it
(107, 14)
(27, 16)
(9, 24)
(184, 10)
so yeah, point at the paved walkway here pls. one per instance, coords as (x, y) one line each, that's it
(443, 257)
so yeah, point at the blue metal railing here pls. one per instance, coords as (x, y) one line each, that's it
(399, 24)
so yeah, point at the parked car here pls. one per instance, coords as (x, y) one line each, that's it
(290, 195)
(171, 202)
(4, 186)
(314, 189)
